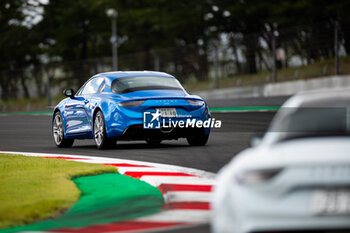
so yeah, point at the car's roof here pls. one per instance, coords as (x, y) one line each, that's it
(123, 74)
(324, 98)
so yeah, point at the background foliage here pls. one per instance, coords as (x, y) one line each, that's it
(70, 40)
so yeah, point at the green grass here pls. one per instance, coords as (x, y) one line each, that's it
(33, 188)
(105, 198)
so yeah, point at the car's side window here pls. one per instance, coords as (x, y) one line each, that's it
(102, 86)
(92, 86)
(80, 90)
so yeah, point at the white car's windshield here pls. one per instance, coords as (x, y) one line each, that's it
(311, 122)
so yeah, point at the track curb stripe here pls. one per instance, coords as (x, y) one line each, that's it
(125, 226)
(60, 157)
(145, 173)
(187, 205)
(164, 188)
(186, 192)
(124, 165)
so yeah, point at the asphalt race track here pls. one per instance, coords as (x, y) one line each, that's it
(32, 133)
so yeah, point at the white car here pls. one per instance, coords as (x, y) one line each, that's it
(297, 178)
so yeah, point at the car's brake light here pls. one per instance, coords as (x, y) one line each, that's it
(131, 103)
(196, 102)
(257, 176)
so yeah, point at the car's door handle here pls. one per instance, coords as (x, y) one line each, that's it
(86, 101)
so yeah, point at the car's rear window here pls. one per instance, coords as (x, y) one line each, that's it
(130, 84)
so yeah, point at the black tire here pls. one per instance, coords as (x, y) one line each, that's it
(58, 132)
(197, 138)
(153, 141)
(100, 133)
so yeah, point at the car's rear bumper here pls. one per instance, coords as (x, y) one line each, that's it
(226, 220)
(284, 204)
(127, 123)
(242, 211)
(300, 224)
(137, 132)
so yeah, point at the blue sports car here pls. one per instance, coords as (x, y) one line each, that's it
(145, 105)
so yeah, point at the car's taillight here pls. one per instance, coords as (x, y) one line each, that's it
(196, 102)
(131, 103)
(257, 176)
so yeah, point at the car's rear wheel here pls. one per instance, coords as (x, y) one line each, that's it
(100, 133)
(197, 138)
(153, 141)
(58, 132)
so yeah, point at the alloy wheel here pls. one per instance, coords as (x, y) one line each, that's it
(99, 129)
(58, 129)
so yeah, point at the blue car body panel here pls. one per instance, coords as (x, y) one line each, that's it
(78, 112)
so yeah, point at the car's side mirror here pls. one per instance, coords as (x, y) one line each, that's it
(256, 140)
(69, 93)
